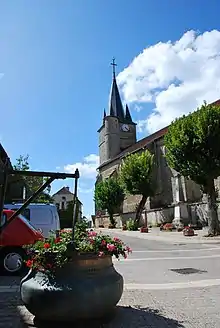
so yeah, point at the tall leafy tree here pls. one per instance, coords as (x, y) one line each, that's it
(66, 216)
(33, 183)
(109, 195)
(136, 177)
(192, 149)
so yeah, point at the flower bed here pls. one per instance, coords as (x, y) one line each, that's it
(53, 253)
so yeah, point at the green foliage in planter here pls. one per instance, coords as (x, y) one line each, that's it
(49, 254)
(192, 149)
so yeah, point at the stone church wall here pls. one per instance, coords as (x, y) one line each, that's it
(159, 208)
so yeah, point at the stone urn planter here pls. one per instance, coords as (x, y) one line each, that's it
(73, 281)
(144, 229)
(187, 231)
(87, 287)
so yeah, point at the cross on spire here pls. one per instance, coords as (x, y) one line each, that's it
(113, 66)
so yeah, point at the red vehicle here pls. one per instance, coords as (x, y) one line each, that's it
(18, 233)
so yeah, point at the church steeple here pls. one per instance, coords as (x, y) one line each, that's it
(104, 114)
(117, 131)
(115, 104)
(128, 115)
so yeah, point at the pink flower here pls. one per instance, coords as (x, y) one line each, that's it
(92, 234)
(92, 241)
(125, 255)
(101, 254)
(111, 247)
(128, 249)
(103, 242)
(117, 240)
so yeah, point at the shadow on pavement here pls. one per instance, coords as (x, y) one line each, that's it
(123, 317)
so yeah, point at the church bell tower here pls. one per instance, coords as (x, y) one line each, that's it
(118, 131)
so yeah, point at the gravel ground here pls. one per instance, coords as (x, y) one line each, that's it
(188, 308)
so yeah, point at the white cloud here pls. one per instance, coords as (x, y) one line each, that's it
(137, 108)
(87, 168)
(176, 77)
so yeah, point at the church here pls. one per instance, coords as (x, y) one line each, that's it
(176, 198)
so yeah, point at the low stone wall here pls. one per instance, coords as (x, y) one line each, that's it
(195, 212)
(152, 217)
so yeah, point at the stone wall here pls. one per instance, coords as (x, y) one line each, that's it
(160, 207)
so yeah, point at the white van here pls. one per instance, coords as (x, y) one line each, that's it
(42, 216)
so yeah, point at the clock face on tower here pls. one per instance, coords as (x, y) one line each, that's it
(125, 128)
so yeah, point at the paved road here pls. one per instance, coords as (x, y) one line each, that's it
(155, 296)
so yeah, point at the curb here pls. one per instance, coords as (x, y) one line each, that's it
(168, 239)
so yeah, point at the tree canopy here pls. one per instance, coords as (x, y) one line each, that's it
(192, 149)
(33, 183)
(136, 177)
(109, 195)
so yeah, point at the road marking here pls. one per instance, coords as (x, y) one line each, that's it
(177, 285)
(169, 258)
(179, 250)
(9, 289)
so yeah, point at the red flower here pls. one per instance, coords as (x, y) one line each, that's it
(29, 263)
(103, 243)
(49, 265)
(57, 240)
(46, 245)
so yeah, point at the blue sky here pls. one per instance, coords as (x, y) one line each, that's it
(55, 63)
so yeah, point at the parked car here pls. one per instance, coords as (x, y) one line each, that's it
(18, 233)
(42, 216)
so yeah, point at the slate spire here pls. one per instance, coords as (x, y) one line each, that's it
(128, 115)
(104, 114)
(115, 104)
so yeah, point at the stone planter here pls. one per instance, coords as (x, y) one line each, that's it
(144, 229)
(188, 232)
(87, 287)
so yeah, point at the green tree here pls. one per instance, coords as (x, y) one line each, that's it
(109, 195)
(192, 149)
(66, 216)
(136, 177)
(33, 183)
